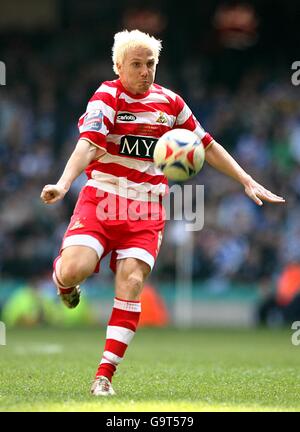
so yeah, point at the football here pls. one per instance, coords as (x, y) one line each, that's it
(180, 154)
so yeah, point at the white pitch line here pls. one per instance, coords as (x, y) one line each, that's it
(38, 349)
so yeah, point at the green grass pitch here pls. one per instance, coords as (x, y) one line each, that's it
(43, 369)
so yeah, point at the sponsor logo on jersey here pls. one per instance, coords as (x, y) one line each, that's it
(139, 147)
(93, 121)
(127, 117)
(161, 118)
(77, 224)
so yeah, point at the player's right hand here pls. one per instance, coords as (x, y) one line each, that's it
(52, 193)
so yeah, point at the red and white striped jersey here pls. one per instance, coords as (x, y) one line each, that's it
(127, 127)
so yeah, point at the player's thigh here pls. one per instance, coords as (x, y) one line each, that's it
(79, 259)
(131, 274)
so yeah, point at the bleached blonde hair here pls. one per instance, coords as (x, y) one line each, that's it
(126, 40)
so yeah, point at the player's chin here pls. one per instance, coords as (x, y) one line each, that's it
(144, 86)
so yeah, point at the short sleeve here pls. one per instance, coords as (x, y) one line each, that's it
(186, 120)
(98, 120)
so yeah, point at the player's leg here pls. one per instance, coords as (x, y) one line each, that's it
(132, 260)
(71, 268)
(131, 274)
(81, 249)
(77, 263)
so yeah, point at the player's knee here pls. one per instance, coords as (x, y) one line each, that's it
(73, 272)
(134, 285)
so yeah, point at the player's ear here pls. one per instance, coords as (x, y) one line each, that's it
(119, 67)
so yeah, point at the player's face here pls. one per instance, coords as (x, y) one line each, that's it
(137, 71)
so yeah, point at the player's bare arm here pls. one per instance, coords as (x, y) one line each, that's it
(221, 160)
(83, 154)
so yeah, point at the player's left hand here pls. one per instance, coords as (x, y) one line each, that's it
(258, 193)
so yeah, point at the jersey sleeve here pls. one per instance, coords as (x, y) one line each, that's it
(186, 120)
(98, 120)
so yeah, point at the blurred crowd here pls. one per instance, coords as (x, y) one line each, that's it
(257, 121)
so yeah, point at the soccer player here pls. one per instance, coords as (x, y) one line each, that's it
(123, 120)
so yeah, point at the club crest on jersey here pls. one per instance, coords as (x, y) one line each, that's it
(93, 121)
(138, 147)
(162, 118)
